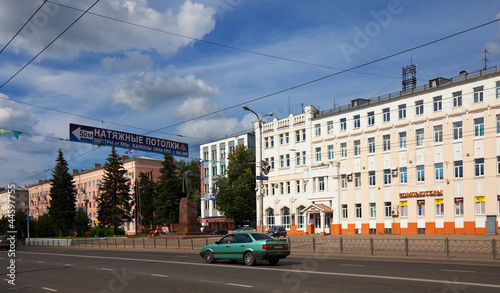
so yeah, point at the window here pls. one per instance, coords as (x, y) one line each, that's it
(287, 156)
(386, 142)
(282, 138)
(300, 217)
(438, 104)
(402, 111)
(457, 130)
(297, 183)
(288, 187)
(387, 209)
(270, 217)
(357, 147)
(387, 176)
(344, 211)
(419, 133)
(371, 178)
(317, 130)
(420, 173)
(419, 108)
(371, 118)
(421, 208)
(459, 206)
(321, 183)
(222, 169)
(282, 188)
(498, 90)
(303, 158)
(357, 123)
(329, 127)
(479, 205)
(318, 154)
(403, 208)
(330, 152)
(403, 175)
(282, 161)
(371, 145)
(457, 99)
(498, 123)
(402, 140)
(478, 94)
(271, 141)
(498, 165)
(438, 171)
(479, 167)
(439, 207)
(358, 210)
(287, 138)
(438, 134)
(297, 135)
(297, 155)
(343, 150)
(303, 134)
(373, 210)
(343, 181)
(459, 169)
(357, 179)
(478, 127)
(205, 156)
(343, 124)
(214, 171)
(386, 114)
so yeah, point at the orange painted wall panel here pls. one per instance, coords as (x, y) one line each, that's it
(430, 228)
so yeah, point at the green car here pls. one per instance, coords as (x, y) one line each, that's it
(248, 247)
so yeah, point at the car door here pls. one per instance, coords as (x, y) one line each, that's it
(221, 248)
(239, 245)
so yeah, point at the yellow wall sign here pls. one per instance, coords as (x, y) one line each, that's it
(439, 201)
(421, 193)
(479, 198)
(403, 203)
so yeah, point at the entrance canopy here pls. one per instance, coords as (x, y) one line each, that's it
(316, 208)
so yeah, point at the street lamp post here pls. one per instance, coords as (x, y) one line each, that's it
(260, 198)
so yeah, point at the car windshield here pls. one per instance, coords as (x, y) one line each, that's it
(260, 236)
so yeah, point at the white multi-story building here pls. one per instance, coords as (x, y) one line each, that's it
(214, 160)
(18, 196)
(425, 160)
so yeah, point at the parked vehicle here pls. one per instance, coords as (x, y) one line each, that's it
(5, 242)
(245, 229)
(276, 231)
(247, 247)
(218, 232)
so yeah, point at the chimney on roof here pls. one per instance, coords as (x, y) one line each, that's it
(40, 181)
(97, 165)
(74, 171)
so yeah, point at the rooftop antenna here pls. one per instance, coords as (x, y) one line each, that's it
(485, 58)
(409, 76)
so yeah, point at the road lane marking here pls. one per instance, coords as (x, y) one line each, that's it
(140, 273)
(106, 269)
(239, 285)
(157, 275)
(49, 289)
(497, 286)
(69, 265)
(352, 265)
(40, 262)
(457, 271)
(209, 281)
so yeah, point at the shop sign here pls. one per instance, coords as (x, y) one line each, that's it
(421, 202)
(459, 199)
(421, 193)
(479, 198)
(403, 203)
(439, 201)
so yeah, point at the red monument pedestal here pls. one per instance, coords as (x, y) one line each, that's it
(188, 217)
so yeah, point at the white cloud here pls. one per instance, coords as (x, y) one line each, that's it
(194, 107)
(132, 60)
(15, 117)
(145, 91)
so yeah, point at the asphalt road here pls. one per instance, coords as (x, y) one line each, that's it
(79, 270)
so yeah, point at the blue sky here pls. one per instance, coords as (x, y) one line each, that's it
(198, 57)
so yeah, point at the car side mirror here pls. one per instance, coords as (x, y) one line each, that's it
(217, 242)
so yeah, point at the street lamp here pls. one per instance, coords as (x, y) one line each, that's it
(260, 198)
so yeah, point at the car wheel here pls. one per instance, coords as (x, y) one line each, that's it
(274, 261)
(209, 257)
(249, 259)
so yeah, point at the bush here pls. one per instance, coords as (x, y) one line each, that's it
(100, 231)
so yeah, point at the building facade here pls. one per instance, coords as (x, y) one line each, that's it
(214, 160)
(87, 183)
(17, 195)
(425, 160)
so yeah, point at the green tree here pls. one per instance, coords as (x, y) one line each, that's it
(114, 201)
(62, 193)
(236, 190)
(42, 227)
(169, 192)
(147, 198)
(81, 222)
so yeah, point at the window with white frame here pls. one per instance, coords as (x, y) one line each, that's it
(458, 169)
(479, 127)
(357, 147)
(318, 154)
(298, 158)
(457, 130)
(387, 209)
(419, 108)
(371, 118)
(282, 188)
(438, 103)
(330, 152)
(459, 206)
(297, 135)
(498, 124)
(343, 181)
(438, 133)
(421, 208)
(357, 208)
(300, 217)
(403, 175)
(498, 90)
(419, 137)
(386, 113)
(371, 145)
(344, 212)
(282, 138)
(386, 142)
(288, 187)
(321, 183)
(403, 209)
(287, 137)
(479, 167)
(371, 178)
(357, 179)
(303, 134)
(457, 99)
(498, 165)
(402, 111)
(343, 150)
(439, 207)
(297, 183)
(271, 141)
(329, 127)
(420, 173)
(343, 124)
(387, 176)
(266, 142)
(478, 94)
(357, 122)
(317, 130)
(402, 140)
(270, 217)
(373, 210)
(287, 158)
(303, 158)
